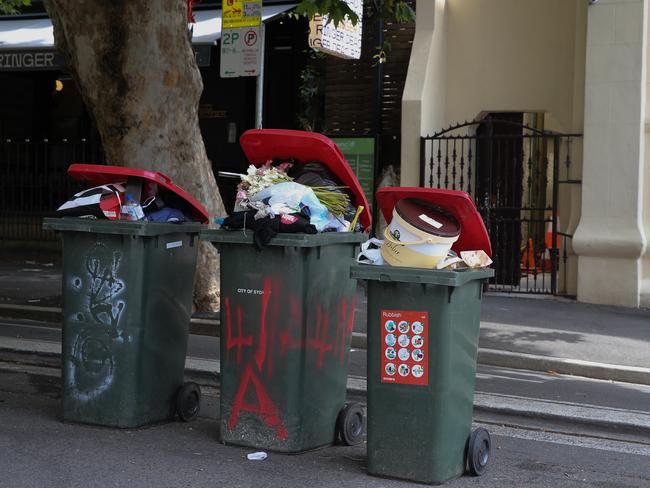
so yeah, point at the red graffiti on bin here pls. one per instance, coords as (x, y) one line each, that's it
(265, 407)
(272, 339)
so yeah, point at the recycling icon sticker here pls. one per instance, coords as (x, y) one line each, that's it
(405, 347)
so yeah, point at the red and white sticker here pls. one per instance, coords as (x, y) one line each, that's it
(404, 347)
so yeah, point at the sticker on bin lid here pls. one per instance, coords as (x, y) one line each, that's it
(408, 365)
(262, 145)
(431, 221)
(473, 234)
(99, 174)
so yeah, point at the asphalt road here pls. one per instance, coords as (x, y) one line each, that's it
(37, 450)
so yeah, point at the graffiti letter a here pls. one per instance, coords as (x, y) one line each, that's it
(265, 407)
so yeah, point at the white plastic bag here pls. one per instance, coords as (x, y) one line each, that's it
(294, 196)
(371, 252)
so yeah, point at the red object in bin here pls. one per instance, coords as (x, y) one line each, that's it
(473, 234)
(98, 174)
(262, 145)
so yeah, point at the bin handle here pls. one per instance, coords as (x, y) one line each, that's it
(388, 236)
(164, 177)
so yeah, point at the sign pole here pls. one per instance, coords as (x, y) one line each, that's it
(259, 92)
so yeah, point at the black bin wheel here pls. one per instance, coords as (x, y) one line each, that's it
(350, 424)
(188, 401)
(478, 451)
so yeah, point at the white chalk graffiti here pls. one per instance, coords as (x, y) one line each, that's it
(91, 363)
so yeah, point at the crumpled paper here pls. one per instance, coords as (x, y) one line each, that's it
(467, 259)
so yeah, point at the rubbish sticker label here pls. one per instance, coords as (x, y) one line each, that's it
(404, 347)
(172, 245)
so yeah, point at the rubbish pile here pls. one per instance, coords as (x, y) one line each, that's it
(429, 229)
(298, 182)
(130, 194)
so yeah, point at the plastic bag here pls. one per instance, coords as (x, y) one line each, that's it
(295, 197)
(315, 173)
(371, 252)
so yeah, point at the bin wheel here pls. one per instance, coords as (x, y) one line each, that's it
(350, 424)
(188, 401)
(478, 451)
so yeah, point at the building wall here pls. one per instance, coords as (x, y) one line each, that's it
(645, 262)
(513, 55)
(471, 57)
(476, 56)
(424, 98)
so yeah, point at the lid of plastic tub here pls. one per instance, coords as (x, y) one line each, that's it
(98, 174)
(427, 217)
(473, 234)
(261, 145)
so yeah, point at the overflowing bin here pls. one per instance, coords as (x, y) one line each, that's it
(287, 315)
(127, 298)
(423, 331)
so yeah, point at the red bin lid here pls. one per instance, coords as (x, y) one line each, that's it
(473, 234)
(98, 174)
(261, 145)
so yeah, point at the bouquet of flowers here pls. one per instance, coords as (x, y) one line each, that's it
(258, 179)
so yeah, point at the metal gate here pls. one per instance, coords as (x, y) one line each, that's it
(513, 172)
(33, 183)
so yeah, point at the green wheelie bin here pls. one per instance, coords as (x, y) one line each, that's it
(287, 314)
(423, 331)
(127, 299)
(420, 405)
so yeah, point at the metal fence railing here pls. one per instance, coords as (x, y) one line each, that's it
(34, 183)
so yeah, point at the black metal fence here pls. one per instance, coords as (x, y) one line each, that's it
(34, 183)
(514, 173)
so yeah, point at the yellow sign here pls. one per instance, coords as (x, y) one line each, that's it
(241, 13)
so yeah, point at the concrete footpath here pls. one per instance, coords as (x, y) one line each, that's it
(541, 333)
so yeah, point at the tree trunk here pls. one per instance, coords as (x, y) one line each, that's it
(135, 68)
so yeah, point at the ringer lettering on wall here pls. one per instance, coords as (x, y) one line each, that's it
(30, 60)
(52, 60)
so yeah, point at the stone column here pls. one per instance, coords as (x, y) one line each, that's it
(610, 239)
(423, 100)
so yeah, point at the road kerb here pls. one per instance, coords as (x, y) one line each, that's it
(575, 367)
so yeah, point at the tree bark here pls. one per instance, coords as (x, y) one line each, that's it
(136, 71)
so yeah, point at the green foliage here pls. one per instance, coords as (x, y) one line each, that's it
(338, 10)
(310, 91)
(381, 53)
(9, 7)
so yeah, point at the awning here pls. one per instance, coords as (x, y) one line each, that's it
(27, 33)
(38, 33)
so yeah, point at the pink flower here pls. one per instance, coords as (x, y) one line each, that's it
(284, 166)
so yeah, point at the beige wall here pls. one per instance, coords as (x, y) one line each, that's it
(479, 56)
(513, 55)
(424, 98)
(645, 198)
(585, 68)
(475, 56)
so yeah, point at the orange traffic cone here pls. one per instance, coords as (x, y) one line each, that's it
(528, 258)
(548, 241)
